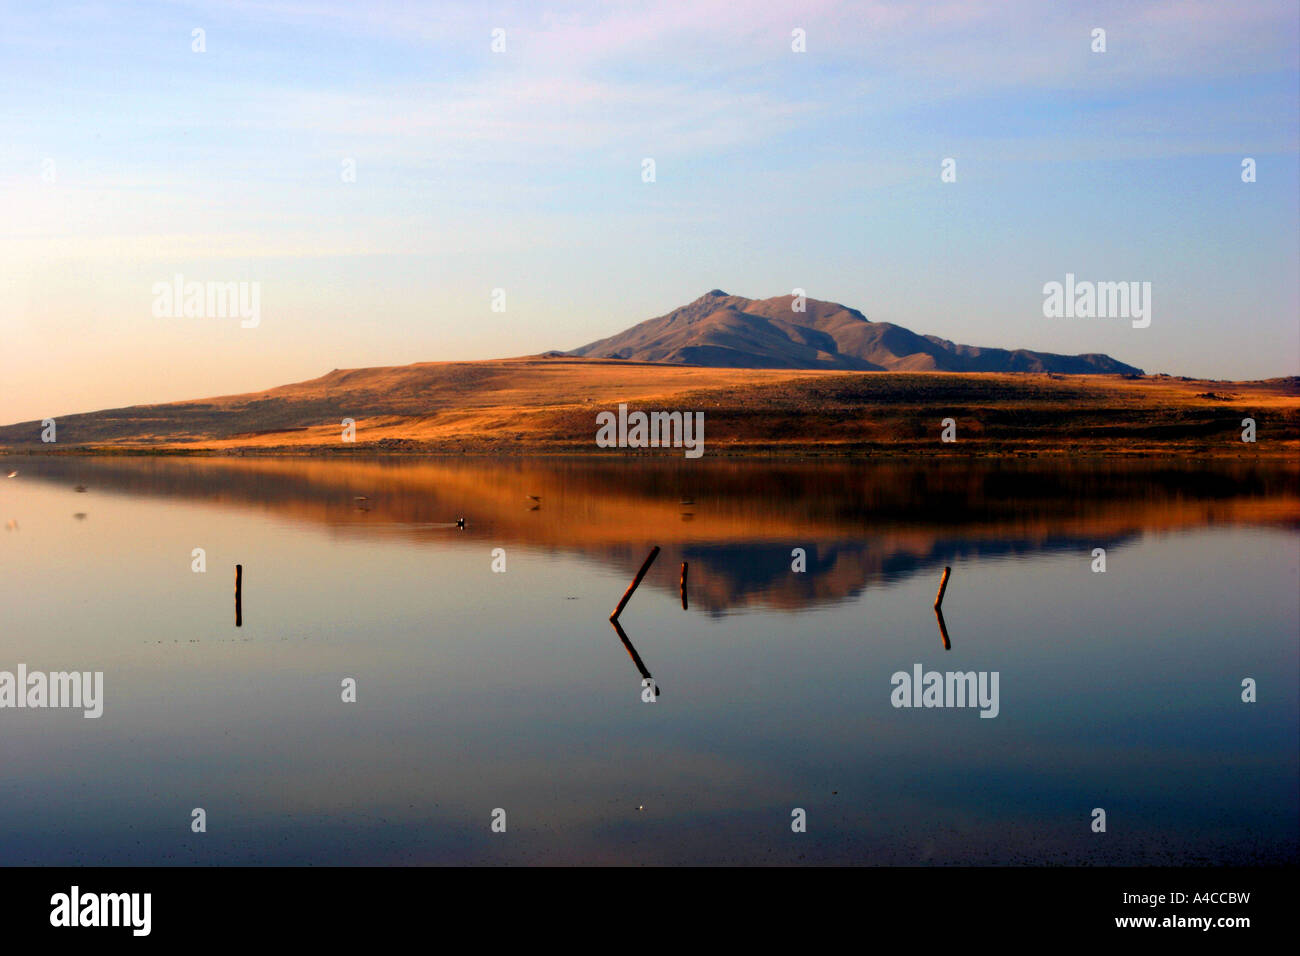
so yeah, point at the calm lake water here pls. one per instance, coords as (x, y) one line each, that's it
(479, 690)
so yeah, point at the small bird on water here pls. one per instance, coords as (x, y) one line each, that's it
(460, 522)
(12, 474)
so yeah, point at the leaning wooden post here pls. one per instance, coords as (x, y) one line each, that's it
(239, 595)
(627, 595)
(684, 586)
(943, 586)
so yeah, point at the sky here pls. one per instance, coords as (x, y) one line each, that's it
(378, 170)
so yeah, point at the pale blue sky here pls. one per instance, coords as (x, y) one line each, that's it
(522, 170)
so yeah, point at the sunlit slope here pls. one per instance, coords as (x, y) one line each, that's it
(549, 403)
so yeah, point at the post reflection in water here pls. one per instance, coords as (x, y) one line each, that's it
(631, 652)
(943, 629)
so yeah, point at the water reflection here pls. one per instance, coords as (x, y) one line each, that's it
(636, 658)
(860, 524)
(943, 629)
(478, 690)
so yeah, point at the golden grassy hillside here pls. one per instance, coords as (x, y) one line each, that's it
(545, 404)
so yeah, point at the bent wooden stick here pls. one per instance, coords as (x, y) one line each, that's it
(943, 586)
(627, 595)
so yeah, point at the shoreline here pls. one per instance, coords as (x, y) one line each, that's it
(1288, 450)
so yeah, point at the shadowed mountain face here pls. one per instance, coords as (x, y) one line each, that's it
(730, 331)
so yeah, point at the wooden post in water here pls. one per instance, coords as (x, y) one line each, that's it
(627, 595)
(239, 595)
(943, 586)
(684, 586)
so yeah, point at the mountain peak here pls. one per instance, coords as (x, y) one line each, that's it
(728, 331)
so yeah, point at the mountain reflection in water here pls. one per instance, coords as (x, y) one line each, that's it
(861, 524)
